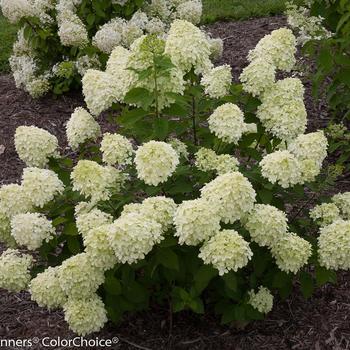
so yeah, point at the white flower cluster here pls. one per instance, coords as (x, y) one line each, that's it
(116, 149)
(31, 230)
(325, 214)
(81, 127)
(41, 185)
(282, 111)
(279, 48)
(226, 251)
(14, 10)
(46, 290)
(196, 221)
(95, 181)
(85, 316)
(227, 123)
(207, 160)
(155, 161)
(342, 201)
(217, 81)
(35, 146)
(266, 225)
(308, 27)
(300, 163)
(334, 245)
(14, 270)
(132, 236)
(90, 219)
(291, 252)
(262, 300)
(232, 194)
(179, 147)
(188, 47)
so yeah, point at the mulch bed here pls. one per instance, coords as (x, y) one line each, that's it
(320, 323)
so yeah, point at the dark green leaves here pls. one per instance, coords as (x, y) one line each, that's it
(140, 97)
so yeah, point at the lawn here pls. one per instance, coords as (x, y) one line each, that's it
(7, 37)
(213, 10)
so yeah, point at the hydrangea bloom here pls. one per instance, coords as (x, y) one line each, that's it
(262, 300)
(14, 10)
(45, 289)
(226, 251)
(310, 150)
(116, 149)
(5, 231)
(282, 111)
(98, 249)
(85, 316)
(160, 209)
(133, 236)
(279, 47)
(155, 161)
(258, 76)
(100, 90)
(227, 123)
(31, 230)
(266, 224)
(281, 167)
(342, 201)
(226, 163)
(14, 270)
(88, 220)
(35, 146)
(41, 185)
(291, 252)
(78, 277)
(188, 47)
(179, 147)
(205, 159)
(232, 194)
(190, 11)
(334, 245)
(81, 127)
(72, 32)
(14, 200)
(217, 81)
(196, 221)
(95, 181)
(325, 213)
(109, 35)
(216, 47)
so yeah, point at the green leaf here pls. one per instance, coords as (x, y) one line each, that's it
(168, 258)
(203, 276)
(130, 117)
(112, 285)
(307, 284)
(139, 96)
(197, 305)
(90, 19)
(70, 229)
(265, 196)
(161, 127)
(58, 221)
(230, 280)
(324, 276)
(73, 243)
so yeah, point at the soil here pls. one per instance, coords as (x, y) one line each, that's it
(321, 322)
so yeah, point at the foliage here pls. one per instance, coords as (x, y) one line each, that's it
(7, 37)
(175, 222)
(59, 40)
(331, 54)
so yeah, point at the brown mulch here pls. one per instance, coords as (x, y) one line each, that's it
(320, 323)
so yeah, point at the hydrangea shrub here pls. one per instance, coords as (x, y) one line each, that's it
(59, 40)
(195, 201)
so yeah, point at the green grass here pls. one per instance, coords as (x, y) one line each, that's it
(7, 37)
(215, 10)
